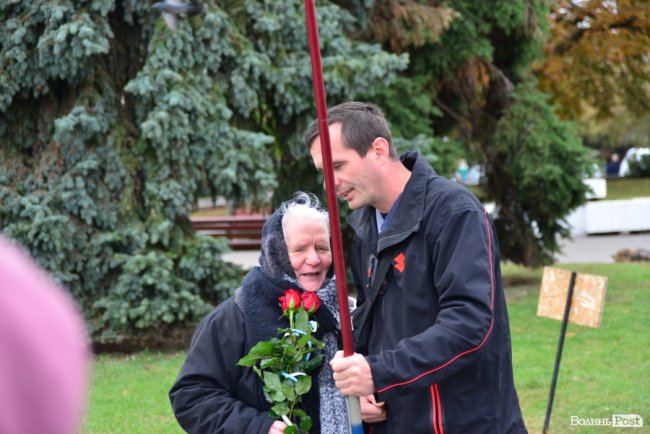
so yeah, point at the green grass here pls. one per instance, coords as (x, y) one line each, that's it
(617, 189)
(604, 371)
(627, 188)
(129, 394)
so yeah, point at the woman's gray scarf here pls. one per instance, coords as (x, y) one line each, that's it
(333, 405)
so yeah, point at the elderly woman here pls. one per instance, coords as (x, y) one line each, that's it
(212, 394)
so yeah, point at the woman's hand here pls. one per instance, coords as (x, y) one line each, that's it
(371, 410)
(277, 427)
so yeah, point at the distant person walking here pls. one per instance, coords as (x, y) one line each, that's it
(613, 166)
(462, 171)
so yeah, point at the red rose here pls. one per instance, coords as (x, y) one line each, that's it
(290, 300)
(310, 301)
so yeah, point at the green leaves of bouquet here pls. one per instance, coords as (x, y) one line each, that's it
(284, 363)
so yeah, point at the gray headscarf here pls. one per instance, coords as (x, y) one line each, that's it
(274, 258)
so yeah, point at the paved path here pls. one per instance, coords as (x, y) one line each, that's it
(600, 248)
(245, 258)
(593, 249)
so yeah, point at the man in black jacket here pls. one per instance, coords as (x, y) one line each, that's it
(432, 322)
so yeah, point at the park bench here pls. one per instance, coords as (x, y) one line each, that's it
(244, 232)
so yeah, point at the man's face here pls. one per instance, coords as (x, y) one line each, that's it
(353, 175)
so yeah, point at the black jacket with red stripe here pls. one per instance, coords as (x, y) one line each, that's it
(436, 334)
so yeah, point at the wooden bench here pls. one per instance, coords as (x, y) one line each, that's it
(242, 232)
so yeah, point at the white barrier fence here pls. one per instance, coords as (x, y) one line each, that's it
(607, 216)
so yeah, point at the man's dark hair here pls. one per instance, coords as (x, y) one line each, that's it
(361, 124)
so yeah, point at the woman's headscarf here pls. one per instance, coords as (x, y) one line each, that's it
(274, 257)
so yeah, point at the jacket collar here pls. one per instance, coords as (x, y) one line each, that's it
(262, 313)
(411, 209)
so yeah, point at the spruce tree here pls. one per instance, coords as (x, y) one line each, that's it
(111, 127)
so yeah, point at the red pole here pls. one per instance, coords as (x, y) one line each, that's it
(354, 407)
(332, 203)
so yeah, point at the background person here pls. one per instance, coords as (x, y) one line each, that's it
(213, 394)
(613, 165)
(44, 351)
(462, 171)
(431, 318)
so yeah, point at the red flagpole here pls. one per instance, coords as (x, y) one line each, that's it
(332, 203)
(354, 408)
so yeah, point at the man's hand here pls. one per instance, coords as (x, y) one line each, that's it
(277, 427)
(371, 410)
(352, 374)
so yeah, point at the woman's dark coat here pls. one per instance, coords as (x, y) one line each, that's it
(214, 395)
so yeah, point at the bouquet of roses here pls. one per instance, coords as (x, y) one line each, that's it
(284, 363)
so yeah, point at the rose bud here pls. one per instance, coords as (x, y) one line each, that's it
(310, 301)
(290, 300)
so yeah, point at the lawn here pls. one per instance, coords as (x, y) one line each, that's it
(627, 188)
(129, 394)
(617, 189)
(604, 371)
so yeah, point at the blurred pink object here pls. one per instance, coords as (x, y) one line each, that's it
(44, 353)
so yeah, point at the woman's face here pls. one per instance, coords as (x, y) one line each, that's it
(308, 244)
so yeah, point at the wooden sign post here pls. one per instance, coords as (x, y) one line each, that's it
(572, 297)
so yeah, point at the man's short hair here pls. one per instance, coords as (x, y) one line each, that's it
(361, 123)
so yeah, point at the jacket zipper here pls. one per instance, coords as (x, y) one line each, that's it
(436, 410)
